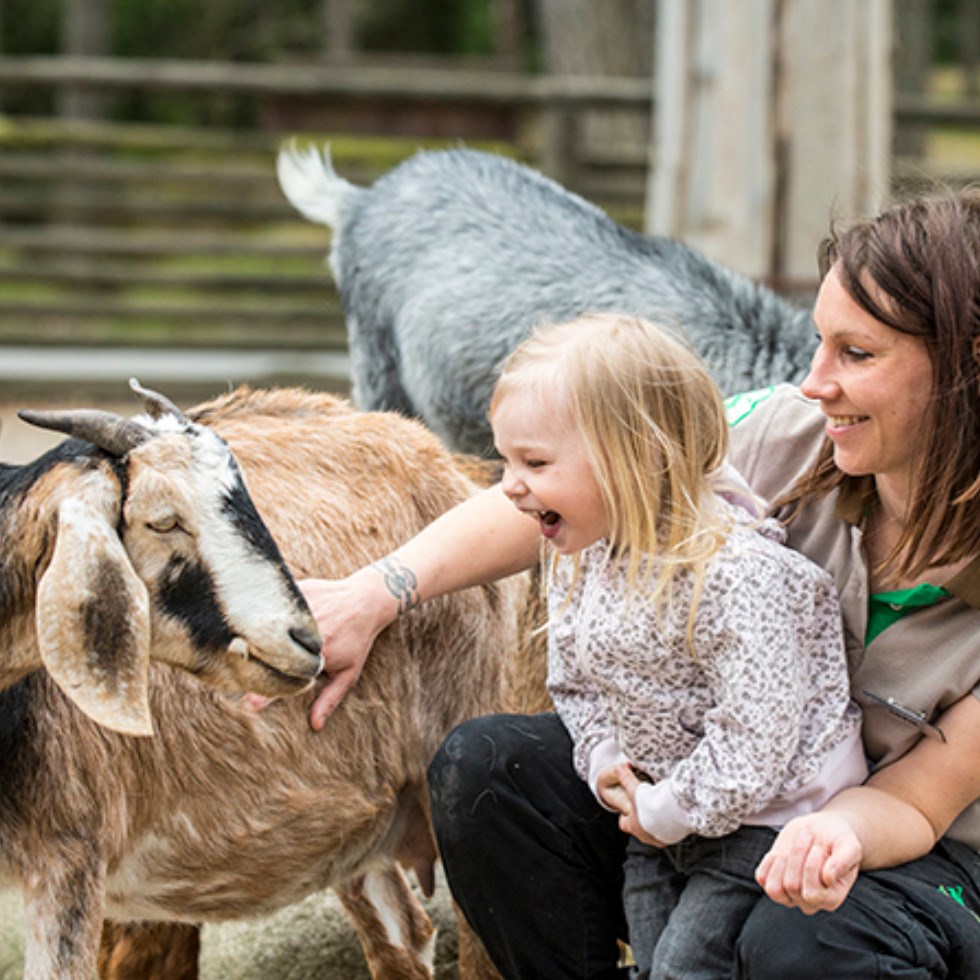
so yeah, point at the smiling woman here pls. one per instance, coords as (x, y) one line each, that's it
(874, 384)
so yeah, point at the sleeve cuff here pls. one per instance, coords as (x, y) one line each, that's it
(660, 814)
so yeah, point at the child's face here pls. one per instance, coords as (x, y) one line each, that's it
(547, 473)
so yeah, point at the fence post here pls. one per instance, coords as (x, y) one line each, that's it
(769, 114)
(560, 143)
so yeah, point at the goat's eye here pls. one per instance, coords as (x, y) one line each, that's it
(164, 524)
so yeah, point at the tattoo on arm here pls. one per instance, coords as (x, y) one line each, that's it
(401, 582)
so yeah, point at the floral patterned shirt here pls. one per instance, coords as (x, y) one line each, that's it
(752, 725)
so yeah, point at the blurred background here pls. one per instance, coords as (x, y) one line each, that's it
(142, 231)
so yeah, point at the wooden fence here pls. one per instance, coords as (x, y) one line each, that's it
(165, 235)
(172, 236)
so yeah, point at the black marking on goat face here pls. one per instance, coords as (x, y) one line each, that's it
(108, 633)
(237, 506)
(187, 595)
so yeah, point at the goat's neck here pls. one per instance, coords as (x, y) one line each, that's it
(19, 654)
(28, 525)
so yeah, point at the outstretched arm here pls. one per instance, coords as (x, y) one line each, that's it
(481, 540)
(897, 816)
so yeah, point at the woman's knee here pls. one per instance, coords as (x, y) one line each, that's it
(771, 947)
(778, 942)
(478, 760)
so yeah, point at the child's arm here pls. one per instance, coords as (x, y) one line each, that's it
(754, 640)
(480, 540)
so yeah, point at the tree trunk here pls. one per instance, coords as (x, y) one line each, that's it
(85, 30)
(914, 35)
(969, 45)
(601, 37)
(340, 29)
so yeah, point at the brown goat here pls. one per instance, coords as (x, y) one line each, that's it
(228, 814)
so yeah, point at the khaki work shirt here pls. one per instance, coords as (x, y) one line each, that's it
(928, 659)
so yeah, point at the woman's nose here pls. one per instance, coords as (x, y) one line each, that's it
(820, 382)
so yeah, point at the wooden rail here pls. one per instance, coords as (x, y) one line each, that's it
(121, 233)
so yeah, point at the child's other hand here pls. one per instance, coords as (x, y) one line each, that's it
(611, 791)
(620, 783)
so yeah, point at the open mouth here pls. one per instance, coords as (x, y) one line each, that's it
(548, 521)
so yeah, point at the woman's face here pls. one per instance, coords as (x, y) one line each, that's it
(873, 383)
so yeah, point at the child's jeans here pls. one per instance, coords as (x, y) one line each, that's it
(686, 903)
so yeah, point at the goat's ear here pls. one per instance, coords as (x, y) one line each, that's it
(93, 620)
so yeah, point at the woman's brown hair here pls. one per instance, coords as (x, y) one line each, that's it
(916, 268)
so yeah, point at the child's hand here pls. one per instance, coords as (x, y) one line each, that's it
(611, 791)
(617, 789)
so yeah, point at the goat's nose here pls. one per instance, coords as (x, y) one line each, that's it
(307, 640)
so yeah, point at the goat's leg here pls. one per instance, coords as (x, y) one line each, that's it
(474, 963)
(397, 936)
(63, 911)
(149, 951)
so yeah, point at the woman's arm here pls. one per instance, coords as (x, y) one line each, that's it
(481, 540)
(897, 816)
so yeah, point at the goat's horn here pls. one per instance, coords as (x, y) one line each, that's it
(113, 433)
(155, 403)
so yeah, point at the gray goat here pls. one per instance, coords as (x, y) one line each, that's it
(447, 262)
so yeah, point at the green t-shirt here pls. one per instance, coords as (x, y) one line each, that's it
(886, 608)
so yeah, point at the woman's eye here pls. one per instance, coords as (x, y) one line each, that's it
(535, 464)
(856, 353)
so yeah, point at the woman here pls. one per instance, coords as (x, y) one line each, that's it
(877, 471)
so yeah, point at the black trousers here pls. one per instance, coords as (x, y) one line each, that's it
(536, 866)
(531, 858)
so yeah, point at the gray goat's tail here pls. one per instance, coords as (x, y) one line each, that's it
(311, 185)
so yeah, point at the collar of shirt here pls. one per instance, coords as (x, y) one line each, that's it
(855, 496)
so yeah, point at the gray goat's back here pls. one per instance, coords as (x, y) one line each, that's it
(448, 261)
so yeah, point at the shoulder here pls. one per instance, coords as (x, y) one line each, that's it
(774, 436)
(759, 567)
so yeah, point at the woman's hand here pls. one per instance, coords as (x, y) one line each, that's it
(812, 863)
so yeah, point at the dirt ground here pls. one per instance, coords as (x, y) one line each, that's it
(309, 941)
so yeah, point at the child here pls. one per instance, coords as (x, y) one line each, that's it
(696, 662)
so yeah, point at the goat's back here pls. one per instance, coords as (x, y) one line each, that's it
(448, 261)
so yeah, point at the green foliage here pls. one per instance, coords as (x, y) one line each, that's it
(462, 27)
(255, 30)
(29, 26)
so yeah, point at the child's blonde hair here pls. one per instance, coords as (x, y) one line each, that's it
(654, 427)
